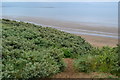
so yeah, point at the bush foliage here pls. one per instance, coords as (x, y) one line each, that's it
(33, 35)
(31, 51)
(105, 59)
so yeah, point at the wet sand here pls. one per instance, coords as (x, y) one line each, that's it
(66, 24)
(100, 41)
(80, 29)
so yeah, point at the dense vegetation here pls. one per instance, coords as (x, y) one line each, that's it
(105, 59)
(31, 51)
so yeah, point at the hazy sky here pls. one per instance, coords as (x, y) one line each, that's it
(59, 0)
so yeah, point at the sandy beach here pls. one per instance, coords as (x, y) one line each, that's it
(100, 41)
(95, 35)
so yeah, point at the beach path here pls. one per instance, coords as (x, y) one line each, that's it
(70, 72)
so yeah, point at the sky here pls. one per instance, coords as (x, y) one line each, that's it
(59, 0)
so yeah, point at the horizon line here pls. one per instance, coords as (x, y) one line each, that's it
(60, 0)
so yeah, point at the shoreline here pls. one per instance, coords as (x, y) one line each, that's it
(94, 35)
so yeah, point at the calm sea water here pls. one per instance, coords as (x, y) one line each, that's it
(102, 13)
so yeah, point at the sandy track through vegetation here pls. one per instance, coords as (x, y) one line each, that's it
(70, 72)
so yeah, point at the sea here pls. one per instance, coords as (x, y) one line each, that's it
(101, 13)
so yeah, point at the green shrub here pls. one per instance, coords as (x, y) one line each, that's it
(67, 52)
(26, 54)
(31, 64)
(105, 60)
(44, 37)
(57, 56)
(85, 63)
(117, 70)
